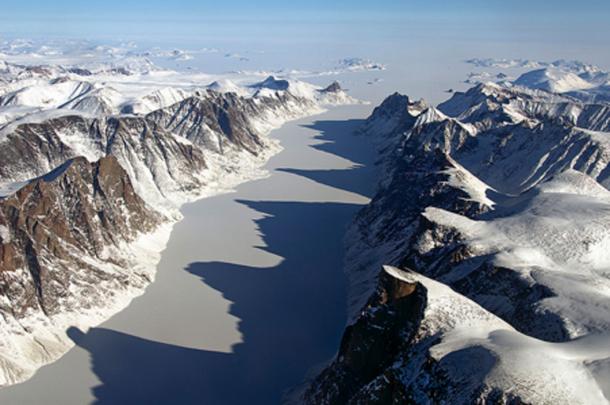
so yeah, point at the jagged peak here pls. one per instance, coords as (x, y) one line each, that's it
(226, 86)
(398, 103)
(334, 87)
(430, 115)
(272, 83)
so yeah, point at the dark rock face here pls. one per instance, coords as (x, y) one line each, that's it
(370, 345)
(334, 87)
(54, 223)
(273, 84)
(384, 358)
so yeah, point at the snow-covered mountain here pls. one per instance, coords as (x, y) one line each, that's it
(491, 213)
(93, 168)
(76, 245)
(580, 80)
(575, 66)
(553, 80)
(588, 84)
(360, 65)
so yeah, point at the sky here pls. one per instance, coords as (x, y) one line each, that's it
(316, 22)
(265, 20)
(270, 7)
(421, 37)
(67, 17)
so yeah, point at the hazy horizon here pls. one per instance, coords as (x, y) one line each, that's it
(274, 23)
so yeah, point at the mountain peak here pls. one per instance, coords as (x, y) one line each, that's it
(553, 80)
(272, 83)
(334, 87)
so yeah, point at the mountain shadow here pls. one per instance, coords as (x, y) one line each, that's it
(340, 139)
(134, 370)
(291, 318)
(293, 314)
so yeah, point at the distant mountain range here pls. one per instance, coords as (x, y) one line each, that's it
(580, 80)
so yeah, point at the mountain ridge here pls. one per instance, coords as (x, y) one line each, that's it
(501, 200)
(108, 182)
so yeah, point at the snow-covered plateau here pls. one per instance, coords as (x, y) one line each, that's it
(95, 162)
(491, 219)
(586, 82)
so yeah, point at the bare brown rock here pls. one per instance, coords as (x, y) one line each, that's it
(58, 220)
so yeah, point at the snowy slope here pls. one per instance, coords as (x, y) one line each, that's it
(577, 79)
(227, 86)
(557, 238)
(553, 80)
(533, 370)
(587, 83)
(49, 95)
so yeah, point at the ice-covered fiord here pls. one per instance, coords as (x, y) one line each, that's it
(249, 294)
